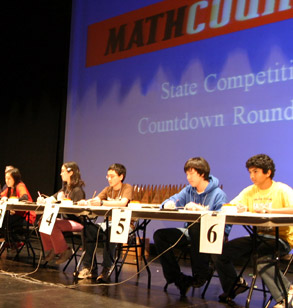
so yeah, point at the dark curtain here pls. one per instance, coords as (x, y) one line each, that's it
(35, 38)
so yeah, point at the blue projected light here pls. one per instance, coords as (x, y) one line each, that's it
(224, 98)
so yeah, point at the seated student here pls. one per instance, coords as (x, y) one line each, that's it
(265, 195)
(16, 188)
(203, 190)
(72, 188)
(117, 194)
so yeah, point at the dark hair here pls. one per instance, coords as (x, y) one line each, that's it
(75, 178)
(200, 165)
(15, 174)
(262, 161)
(119, 169)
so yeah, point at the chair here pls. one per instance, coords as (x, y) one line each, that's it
(286, 259)
(184, 251)
(31, 237)
(136, 241)
(289, 261)
(28, 235)
(76, 240)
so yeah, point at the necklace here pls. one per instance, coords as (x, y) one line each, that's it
(118, 197)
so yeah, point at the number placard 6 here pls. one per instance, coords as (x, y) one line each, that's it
(120, 225)
(49, 218)
(212, 233)
(2, 213)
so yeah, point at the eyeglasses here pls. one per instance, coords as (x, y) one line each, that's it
(110, 177)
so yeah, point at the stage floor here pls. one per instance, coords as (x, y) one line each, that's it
(22, 285)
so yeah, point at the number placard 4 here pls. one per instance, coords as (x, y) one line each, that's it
(212, 233)
(49, 218)
(2, 213)
(120, 225)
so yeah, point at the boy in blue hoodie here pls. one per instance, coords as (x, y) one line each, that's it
(203, 190)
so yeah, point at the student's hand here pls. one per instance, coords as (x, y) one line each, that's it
(41, 200)
(260, 208)
(50, 200)
(12, 212)
(82, 203)
(268, 209)
(169, 205)
(192, 206)
(95, 201)
(241, 208)
(60, 196)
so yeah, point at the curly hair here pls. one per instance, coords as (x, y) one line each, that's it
(262, 161)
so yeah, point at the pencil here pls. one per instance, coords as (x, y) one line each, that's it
(94, 194)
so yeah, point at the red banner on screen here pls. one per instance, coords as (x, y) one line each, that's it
(175, 22)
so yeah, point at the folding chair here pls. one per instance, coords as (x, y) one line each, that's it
(184, 251)
(290, 259)
(76, 240)
(136, 241)
(29, 233)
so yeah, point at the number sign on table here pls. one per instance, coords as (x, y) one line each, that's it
(212, 233)
(120, 225)
(2, 212)
(49, 218)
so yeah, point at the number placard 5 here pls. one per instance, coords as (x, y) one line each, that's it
(212, 233)
(120, 225)
(49, 218)
(2, 213)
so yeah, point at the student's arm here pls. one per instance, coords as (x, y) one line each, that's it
(284, 210)
(177, 200)
(22, 192)
(116, 203)
(126, 196)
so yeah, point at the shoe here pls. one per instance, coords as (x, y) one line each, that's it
(239, 288)
(199, 280)
(64, 256)
(87, 273)
(105, 275)
(183, 284)
(282, 303)
(50, 256)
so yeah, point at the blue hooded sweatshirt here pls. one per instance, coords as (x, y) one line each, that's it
(213, 196)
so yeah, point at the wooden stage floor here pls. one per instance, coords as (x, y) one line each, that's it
(24, 286)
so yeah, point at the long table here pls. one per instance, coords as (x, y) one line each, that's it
(152, 212)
